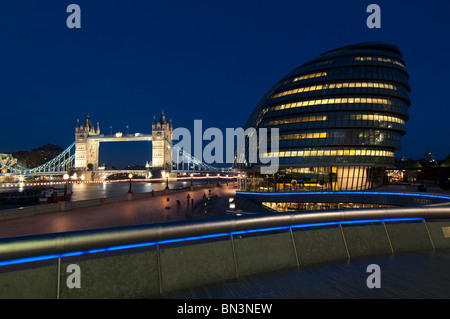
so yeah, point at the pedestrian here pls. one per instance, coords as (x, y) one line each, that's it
(188, 199)
(153, 192)
(192, 202)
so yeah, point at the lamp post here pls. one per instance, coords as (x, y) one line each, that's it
(130, 176)
(167, 180)
(191, 180)
(66, 177)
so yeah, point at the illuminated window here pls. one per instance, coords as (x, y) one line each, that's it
(309, 76)
(336, 85)
(380, 59)
(303, 136)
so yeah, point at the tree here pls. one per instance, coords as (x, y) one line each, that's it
(446, 162)
(411, 163)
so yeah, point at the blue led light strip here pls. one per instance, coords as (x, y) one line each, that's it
(167, 241)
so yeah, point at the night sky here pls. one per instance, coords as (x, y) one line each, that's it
(209, 60)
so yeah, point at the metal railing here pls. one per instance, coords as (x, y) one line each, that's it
(89, 240)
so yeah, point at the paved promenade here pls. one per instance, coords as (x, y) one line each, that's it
(139, 211)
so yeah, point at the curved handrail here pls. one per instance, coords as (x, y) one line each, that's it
(58, 243)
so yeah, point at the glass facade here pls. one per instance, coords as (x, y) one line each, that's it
(342, 114)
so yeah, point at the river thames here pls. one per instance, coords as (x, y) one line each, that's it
(85, 191)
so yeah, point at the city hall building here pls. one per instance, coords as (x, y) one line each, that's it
(340, 118)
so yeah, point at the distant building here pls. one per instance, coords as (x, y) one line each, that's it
(430, 157)
(38, 156)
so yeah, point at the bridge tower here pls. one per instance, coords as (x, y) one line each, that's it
(86, 150)
(161, 149)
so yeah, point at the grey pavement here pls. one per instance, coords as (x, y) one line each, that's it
(424, 275)
(162, 208)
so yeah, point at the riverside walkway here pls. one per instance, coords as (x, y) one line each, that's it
(139, 211)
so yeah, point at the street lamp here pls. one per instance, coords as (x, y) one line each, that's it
(66, 177)
(130, 176)
(167, 180)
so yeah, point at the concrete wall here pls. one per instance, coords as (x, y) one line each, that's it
(320, 246)
(202, 264)
(154, 271)
(261, 254)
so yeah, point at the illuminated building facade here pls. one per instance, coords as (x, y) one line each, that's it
(340, 118)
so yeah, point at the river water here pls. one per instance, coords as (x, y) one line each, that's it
(84, 191)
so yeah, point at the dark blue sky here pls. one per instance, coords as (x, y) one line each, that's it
(209, 60)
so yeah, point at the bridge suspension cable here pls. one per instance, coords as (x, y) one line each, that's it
(194, 161)
(60, 163)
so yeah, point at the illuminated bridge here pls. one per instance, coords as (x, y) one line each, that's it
(83, 154)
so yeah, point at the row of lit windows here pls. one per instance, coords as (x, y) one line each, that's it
(376, 117)
(332, 101)
(358, 117)
(338, 86)
(351, 152)
(379, 59)
(299, 136)
(298, 120)
(309, 76)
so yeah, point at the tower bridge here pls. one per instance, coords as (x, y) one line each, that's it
(88, 139)
(82, 156)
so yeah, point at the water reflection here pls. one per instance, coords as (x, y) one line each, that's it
(85, 191)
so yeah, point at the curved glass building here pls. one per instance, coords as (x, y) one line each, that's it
(340, 118)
